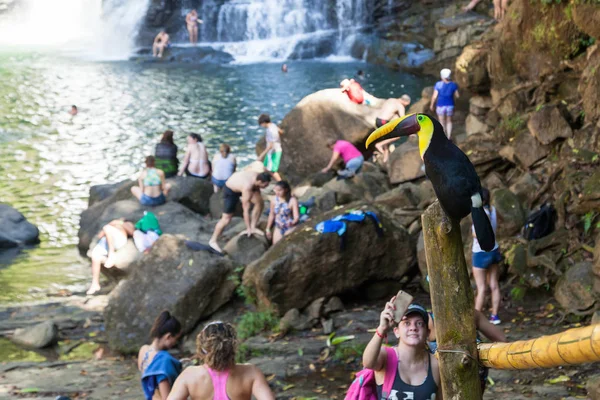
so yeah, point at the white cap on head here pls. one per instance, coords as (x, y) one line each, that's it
(445, 73)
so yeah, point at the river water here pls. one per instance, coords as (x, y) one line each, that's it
(49, 160)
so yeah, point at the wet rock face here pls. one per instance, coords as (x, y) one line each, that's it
(308, 265)
(16, 230)
(191, 285)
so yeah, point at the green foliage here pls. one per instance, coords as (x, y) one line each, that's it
(518, 293)
(588, 220)
(512, 124)
(253, 323)
(245, 353)
(345, 351)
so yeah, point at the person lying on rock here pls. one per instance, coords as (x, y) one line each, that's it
(152, 189)
(356, 93)
(418, 375)
(284, 212)
(220, 377)
(113, 237)
(159, 368)
(353, 159)
(391, 109)
(244, 185)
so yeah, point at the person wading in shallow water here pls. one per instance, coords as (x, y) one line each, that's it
(220, 378)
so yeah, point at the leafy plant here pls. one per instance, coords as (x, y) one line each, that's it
(253, 323)
(518, 293)
(346, 351)
(588, 220)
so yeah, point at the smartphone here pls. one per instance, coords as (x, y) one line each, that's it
(401, 303)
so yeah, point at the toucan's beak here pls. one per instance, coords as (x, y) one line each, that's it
(399, 127)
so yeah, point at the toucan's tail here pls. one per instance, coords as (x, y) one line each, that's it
(483, 229)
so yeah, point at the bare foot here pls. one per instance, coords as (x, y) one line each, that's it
(94, 288)
(215, 246)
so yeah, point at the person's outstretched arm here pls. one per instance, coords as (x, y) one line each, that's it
(180, 390)
(295, 210)
(264, 153)
(184, 164)
(260, 387)
(489, 330)
(374, 357)
(334, 157)
(270, 220)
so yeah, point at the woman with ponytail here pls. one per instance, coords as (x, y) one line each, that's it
(220, 378)
(159, 368)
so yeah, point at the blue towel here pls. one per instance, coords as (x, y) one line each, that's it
(163, 366)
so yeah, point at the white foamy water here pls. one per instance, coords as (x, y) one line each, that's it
(97, 29)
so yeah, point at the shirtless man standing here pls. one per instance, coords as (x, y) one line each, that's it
(160, 43)
(391, 109)
(245, 185)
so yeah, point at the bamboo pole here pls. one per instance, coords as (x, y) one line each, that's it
(574, 346)
(453, 305)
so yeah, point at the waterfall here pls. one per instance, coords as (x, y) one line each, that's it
(100, 29)
(263, 29)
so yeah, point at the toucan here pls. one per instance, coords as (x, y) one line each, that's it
(450, 171)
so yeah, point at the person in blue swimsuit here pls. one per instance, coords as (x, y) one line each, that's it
(160, 369)
(152, 189)
(445, 91)
(284, 212)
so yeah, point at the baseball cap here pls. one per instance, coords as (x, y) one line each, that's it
(445, 73)
(415, 308)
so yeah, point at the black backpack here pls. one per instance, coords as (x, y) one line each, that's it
(540, 223)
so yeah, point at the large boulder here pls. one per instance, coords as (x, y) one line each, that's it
(578, 290)
(589, 86)
(422, 105)
(471, 69)
(101, 192)
(173, 218)
(309, 265)
(405, 163)
(586, 16)
(327, 114)
(191, 285)
(509, 212)
(243, 249)
(193, 193)
(548, 124)
(187, 55)
(524, 150)
(37, 336)
(16, 230)
(366, 185)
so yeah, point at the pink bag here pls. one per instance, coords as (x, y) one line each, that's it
(364, 386)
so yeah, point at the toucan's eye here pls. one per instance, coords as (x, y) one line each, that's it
(420, 118)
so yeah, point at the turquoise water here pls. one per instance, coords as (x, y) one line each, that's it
(48, 160)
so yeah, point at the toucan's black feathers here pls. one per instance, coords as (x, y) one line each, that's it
(483, 229)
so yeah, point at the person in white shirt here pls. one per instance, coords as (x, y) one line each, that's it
(223, 166)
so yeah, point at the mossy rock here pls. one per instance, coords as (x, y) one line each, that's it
(516, 258)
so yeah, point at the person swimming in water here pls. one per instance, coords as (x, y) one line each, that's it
(161, 41)
(74, 110)
(195, 162)
(391, 109)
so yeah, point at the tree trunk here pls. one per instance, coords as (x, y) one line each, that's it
(453, 305)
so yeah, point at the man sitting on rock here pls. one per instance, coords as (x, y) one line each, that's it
(161, 41)
(245, 185)
(391, 109)
(113, 236)
(353, 159)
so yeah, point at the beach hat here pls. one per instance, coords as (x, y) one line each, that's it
(445, 73)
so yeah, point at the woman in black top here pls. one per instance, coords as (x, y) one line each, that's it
(166, 155)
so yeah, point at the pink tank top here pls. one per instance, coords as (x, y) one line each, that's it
(219, 380)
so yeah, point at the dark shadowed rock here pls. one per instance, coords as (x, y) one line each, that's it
(548, 124)
(15, 229)
(578, 290)
(363, 186)
(186, 55)
(37, 336)
(509, 211)
(191, 285)
(308, 265)
(101, 192)
(524, 150)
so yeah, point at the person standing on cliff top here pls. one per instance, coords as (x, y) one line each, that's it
(445, 91)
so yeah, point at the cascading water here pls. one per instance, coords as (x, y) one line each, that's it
(102, 29)
(263, 29)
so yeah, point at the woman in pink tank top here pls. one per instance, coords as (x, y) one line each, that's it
(220, 378)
